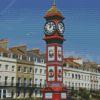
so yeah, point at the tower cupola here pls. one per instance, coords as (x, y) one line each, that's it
(54, 10)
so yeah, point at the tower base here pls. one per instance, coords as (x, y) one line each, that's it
(54, 93)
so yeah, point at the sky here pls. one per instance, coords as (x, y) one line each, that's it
(82, 25)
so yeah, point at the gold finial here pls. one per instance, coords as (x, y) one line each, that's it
(54, 1)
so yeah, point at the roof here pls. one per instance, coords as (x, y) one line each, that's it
(55, 89)
(54, 10)
(18, 46)
(3, 50)
(17, 52)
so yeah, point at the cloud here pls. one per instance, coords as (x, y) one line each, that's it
(75, 55)
(8, 7)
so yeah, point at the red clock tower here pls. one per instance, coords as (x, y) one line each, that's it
(54, 29)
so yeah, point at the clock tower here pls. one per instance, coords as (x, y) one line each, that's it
(54, 30)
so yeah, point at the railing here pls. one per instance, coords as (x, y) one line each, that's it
(31, 85)
(7, 84)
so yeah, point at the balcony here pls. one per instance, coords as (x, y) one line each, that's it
(7, 84)
(31, 85)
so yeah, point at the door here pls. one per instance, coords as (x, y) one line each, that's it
(12, 93)
(4, 93)
(24, 93)
(56, 95)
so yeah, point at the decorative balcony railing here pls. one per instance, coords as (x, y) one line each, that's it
(7, 84)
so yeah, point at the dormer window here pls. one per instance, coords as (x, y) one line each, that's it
(10, 55)
(67, 65)
(42, 60)
(94, 70)
(81, 67)
(90, 69)
(20, 57)
(1, 53)
(85, 68)
(34, 59)
(0, 67)
(27, 58)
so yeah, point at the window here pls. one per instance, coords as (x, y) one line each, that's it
(40, 71)
(40, 93)
(25, 69)
(72, 75)
(82, 77)
(88, 77)
(85, 77)
(18, 93)
(6, 78)
(35, 70)
(85, 68)
(35, 81)
(40, 82)
(12, 81)
(65, 83)
(30, 82)
(68, 74)
(48, 95)
(6, 67)
(1, 53)
(79, 76)
(13, 68)
(34, 59)
(79, 84)
(35, 93)
(24, 82)
(27, 58)
(18, 81)
(76, 76)
(81, 67)
(42, 60)
(76, 84)
(65, 74)
(19, 69)
(44, 71)
(20, 57)
(85, 84)
(24, 93)
(69, 84)
(30, 70)
(10, 55)
(82, 84)
(63, 95)
(0, 79)
(0, 67)
(73, 84)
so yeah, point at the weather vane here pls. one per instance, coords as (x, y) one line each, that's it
(54, 1)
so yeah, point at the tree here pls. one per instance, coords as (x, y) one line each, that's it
(83, 93)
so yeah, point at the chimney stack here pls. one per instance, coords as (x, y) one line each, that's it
(4, 44)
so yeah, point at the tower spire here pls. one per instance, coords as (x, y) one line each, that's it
(54, 1)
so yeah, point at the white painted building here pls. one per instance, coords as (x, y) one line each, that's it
(39, 78)
(73, 77)
(7, 77)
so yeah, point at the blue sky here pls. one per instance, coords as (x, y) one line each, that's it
(82, 25)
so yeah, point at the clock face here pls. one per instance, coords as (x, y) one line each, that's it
(49, 27)
(60, 27)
